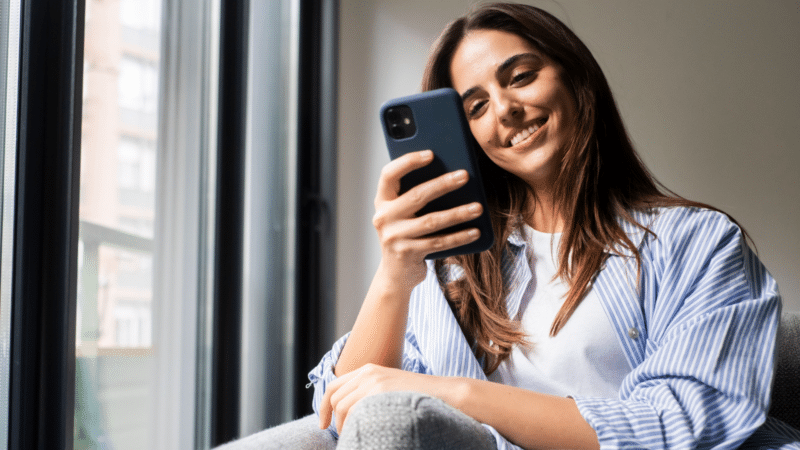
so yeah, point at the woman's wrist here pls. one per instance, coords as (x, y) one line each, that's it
(399, 281)
(455, 391)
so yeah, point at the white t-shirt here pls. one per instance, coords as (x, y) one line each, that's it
(584, 358)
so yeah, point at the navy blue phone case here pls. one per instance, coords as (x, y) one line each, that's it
(442, 127)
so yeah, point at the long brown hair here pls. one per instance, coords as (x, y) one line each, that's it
(601, 180)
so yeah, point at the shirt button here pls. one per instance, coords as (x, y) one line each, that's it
(633, 333)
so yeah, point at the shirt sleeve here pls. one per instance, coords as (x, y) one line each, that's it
(322, 375)
(711, 313)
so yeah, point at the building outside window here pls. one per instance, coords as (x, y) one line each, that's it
(117, 209)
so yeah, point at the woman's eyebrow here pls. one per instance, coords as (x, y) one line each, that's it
(512, 60)
(468, 93)
(502, 68)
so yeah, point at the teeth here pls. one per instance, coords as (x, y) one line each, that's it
(524, 134)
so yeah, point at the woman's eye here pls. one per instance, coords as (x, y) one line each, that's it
(475, 108)
(520, 77)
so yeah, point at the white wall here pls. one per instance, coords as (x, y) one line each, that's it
(708, 90)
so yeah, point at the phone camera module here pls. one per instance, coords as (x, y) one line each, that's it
(397, 131)
(400, 122)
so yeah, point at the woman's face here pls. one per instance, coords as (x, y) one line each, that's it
(519, 109)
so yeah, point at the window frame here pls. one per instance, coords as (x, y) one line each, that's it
(45, 254)
(10, 28)
(315, 302)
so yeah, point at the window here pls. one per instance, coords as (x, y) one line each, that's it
(138, 84)
(115, 303)
(115, 353)
(136, 180)
(140, 14)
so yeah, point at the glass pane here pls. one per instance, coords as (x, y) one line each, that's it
(9, 68)
(116, 358)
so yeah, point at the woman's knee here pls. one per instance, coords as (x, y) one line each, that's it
(410, 420)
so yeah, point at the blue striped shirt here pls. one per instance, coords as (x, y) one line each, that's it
(698, 330)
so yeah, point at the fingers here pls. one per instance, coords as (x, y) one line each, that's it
(332, 400)
(419, 196)
(405, 238)
(446, 242)
(407, 242)
(407, 205)
(414, 239)
(345, 398)
(389, 182)
(437, 221)
(345, 392)
(325, 407)
(418, 249)
(325, 411)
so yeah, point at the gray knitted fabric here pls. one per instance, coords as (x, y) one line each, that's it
(786, 387)
(301, 434)
(409, 420)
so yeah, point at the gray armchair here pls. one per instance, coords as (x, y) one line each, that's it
(786, 387)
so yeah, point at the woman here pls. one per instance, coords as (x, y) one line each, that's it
(609, 313)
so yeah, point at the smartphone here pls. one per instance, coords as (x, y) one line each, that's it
(435, 121)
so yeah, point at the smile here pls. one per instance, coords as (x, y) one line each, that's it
(524, 134)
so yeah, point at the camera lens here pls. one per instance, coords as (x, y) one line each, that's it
(393, 116)
(397, 131)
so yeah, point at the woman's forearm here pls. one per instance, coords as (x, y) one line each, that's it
(378, 333)
(526, 418)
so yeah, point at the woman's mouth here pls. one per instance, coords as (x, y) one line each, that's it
(527, 132)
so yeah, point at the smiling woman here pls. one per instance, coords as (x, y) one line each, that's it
(600, 277)
(519, 109)
(611, 313)
(685, 74)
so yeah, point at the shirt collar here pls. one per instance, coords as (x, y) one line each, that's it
(634, 231)
(518, 239)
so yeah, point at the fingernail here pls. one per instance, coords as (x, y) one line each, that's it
(474, 208)
(426, 154)
(473, 233)
(460, 175)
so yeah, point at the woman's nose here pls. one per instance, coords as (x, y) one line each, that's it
(508, 109)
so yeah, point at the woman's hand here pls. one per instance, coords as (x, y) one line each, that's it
(377, 335)
(526, 418)
(405, 238)
(346, 391)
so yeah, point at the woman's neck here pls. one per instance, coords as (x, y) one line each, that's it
(543, 215)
